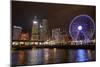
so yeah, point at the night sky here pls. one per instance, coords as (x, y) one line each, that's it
(57, 15)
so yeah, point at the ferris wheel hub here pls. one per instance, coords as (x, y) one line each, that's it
(80, 28)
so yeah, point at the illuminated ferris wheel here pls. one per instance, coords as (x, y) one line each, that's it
(82, 27)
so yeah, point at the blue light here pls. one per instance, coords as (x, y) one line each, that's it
(81, 55)
(82, 27)
(79, 27)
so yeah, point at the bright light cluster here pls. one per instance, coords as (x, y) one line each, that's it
(79, 27)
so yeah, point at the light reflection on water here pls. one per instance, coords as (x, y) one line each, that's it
(48, 56)
(81, 55)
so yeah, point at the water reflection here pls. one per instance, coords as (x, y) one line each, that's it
(35, 56)
(48, 56)
(21, 56)
(81, 55)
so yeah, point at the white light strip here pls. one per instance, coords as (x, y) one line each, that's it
(80, 2)
(17, 27)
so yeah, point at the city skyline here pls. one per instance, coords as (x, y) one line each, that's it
(52, 33)
(23, 14)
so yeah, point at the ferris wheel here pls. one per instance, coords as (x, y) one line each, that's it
(82, 27)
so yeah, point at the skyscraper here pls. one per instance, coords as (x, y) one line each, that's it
(44, 30)
(16, 32)
(39, 29)
(35, 29)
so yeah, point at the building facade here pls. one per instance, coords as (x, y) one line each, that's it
(44, 30)
(16, 32)
(56, 34)
(35, 31)
(39, 30)
(24, 36)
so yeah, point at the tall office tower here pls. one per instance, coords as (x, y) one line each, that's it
(35, 29)
(44, 30)
(56, 34)
(39, 29)
(16, 32)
